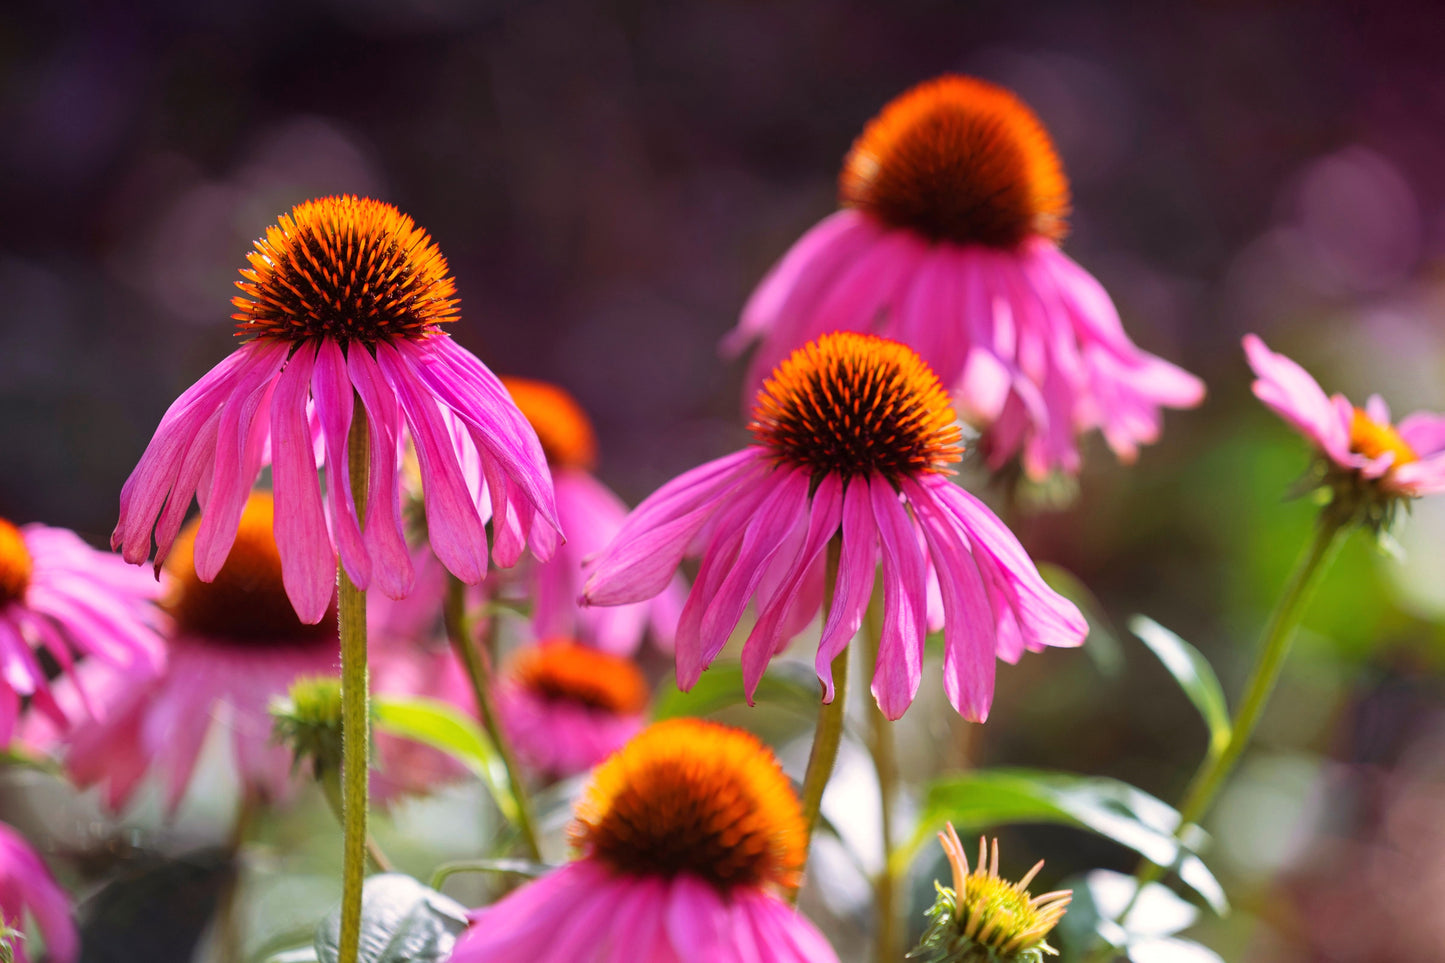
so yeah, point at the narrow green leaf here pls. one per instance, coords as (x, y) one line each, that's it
(439, 725)
(1193, 673)
(789, 685)
(1127, 815)
(401, 922)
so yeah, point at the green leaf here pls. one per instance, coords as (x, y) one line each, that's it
(401, 922)
(439, 725)
(1194, 675)
(789, 685)
(984, 798)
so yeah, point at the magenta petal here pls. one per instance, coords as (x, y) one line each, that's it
(308, 562)
(825, 514)
(697, 921)
(385, 541)
(900, 652)
(331, 388)
(241, 438)
(969, 644)
(652, 541)
(785, 934)
(453, 525)
(857, 564)
(1297, 398)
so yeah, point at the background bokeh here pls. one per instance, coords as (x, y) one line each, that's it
(610, 180)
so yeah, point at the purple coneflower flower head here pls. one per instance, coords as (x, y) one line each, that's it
(235, 643)
(854, 437)
(344, 302)
(59, 594)
(688, 837)
(566, 707)
(28, 889)
(1405, 459)
(954, 201)
(591, 513)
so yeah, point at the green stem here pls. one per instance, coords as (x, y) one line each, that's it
(228, 923)
(829, 732)
(331, 789)
(516, 867)
(887, 947)
(478, 672)
(1333, 524)
(355, 711)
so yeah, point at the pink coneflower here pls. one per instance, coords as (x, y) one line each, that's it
(235, 644)
(953, 204)
(59, 594)
(687, 838)
(566, 707)
(1407, 459)
(854, 436)
(27, 888)
(344, 299)
(591, 515)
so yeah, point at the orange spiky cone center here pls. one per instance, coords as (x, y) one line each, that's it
(563, 671)
(16, 565)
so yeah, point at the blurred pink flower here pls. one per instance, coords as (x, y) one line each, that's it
(1405, 459)
(235, 644)
(688, 836)
(954, 201)
(59, 594)
(590, 514)
(566, 707)
(854, 436)
(26, 887)
(344, 299)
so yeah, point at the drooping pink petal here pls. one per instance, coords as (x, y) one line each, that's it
(331, 387)
(308, 560)
(1297, 398)
(858, 559)
(900, 651)
(385, 542)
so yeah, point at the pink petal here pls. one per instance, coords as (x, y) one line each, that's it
(858, 560)
(308, 561)
(331, 387)
(900, 652)
(385, 541)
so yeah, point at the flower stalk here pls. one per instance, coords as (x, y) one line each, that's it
(1332, 526)
(478, 666)
(828, 733)
(887, 944)
(355, 711)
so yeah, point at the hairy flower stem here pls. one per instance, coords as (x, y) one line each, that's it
(1333, 524)
(355, 711)
(829, 731)
(478, 667)
(331, 789)
(887, 946)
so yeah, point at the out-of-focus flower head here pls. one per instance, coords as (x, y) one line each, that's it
(1367, 458)
(235, 643)
(984, 918)
(59, 595)
(344, 300)
(566, 707)
(953, 204)
(591, 515)
(688, 837)
(854, 437)
(27, 888)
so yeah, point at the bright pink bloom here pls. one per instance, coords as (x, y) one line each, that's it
(1405, 459)
(853, 433)
(27, 888)
(344, 300)
(566, 707)
(59, 594)
(235, 644)
(955, 202)
(590, 513)
(688, 837)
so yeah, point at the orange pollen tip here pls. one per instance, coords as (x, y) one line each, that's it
(1372, 439)
(15, 564)
(561, 425)
(961, 160)
(346, 269)
(563, 671)
(852, 404)
(695, 797)
(246, 603)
